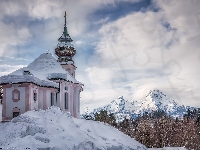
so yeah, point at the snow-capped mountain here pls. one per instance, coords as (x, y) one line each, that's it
(119, 106)
(157, 101)
(154, 101)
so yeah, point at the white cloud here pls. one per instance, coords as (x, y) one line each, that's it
(18, 32)
(135, 53)
(9, 68)
(100, 76)
(157, 47)
(102, 21)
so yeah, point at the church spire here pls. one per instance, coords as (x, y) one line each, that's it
(65, 49)
(65, 36)
(65, 26)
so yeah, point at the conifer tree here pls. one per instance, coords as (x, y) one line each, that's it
(103, 116)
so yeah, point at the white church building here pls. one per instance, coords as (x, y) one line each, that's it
(43, 83)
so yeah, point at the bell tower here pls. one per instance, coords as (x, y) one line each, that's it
(65, 51)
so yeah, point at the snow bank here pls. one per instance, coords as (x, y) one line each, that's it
(54, 129)
(0, 112)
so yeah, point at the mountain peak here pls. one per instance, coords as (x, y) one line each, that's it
(120, 97)
(156, 95)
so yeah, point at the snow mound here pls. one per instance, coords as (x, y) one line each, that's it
(0, 112)
(54, 129)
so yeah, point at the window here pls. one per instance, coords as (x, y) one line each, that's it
(15, 95)
(52, 99)
(66, 88)
(35, 97)
(66, 100)
(26, 72)
(73, 74)
(15, 114)
(57, 99)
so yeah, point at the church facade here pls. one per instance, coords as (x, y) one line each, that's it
(43, 83)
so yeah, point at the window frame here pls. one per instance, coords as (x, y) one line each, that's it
(52, 99)
(66, 100)
(14, 93)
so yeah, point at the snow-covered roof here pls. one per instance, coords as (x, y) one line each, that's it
(26, 79)
(42, 69)
(65, 44)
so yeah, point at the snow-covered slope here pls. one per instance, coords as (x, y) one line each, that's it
(54, 129)
(0, 112)
(154, 101)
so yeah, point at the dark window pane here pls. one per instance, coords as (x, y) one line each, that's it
(35, 96)
(52, 99)
(66, 100)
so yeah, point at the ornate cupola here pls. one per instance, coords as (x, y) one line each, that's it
(65, 51)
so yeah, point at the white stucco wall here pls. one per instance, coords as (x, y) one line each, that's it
(10, 104)
(41, 99)
(77, 103)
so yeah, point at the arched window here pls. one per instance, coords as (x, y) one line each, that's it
(66, 101)
(52, 98)
(35, 96)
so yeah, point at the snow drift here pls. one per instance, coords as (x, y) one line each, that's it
(54, 129)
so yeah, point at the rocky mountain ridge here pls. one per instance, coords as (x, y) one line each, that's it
(154, 101)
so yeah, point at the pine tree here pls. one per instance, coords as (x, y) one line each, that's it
(103, 116)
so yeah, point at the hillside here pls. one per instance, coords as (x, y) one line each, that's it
(54, 129)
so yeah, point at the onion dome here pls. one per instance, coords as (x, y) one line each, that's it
(65, 49)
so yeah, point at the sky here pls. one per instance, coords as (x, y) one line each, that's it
(123, 47)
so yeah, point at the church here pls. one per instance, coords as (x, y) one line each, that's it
(43, 83)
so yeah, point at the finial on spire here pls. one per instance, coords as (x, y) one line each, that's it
(65, 17)
(65, 26)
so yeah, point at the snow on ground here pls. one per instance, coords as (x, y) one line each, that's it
(54, 129)
(0, 112)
